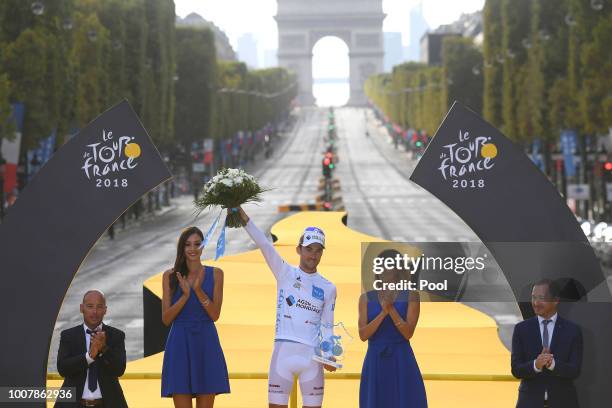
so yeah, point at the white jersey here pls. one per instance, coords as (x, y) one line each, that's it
(305, 301)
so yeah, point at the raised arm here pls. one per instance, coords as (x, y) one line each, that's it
(113, 358)
(367, 329)
(170, 311)
(273, 259)
(212, 307)
(406, 327)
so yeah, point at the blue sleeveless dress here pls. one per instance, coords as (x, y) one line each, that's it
(193, 359)
(390, 376)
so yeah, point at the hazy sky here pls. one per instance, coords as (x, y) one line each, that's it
(237, 17)
(330, 54)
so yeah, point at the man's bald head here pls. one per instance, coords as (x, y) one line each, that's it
(94, 292)
(93, 308)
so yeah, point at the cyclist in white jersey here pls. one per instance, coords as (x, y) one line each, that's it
(305, 307)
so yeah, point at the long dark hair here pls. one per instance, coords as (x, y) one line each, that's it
(180, 264)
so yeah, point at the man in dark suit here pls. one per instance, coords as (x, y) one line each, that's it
(546, 353)
(91, 357)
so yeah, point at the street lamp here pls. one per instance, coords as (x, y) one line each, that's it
(597, 5)
(38, 8)
(67, 24)
(92, 35)
(544, 35)
(526, 42)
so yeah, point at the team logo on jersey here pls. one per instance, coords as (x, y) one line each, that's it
(306, 305)
(290, 300)
(297, 285)
(318, 293)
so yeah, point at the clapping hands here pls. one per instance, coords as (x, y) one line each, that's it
(545, 359)
(97, 343)
(183, 283)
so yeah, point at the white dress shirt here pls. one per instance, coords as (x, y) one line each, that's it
(97, 393)
(551, 329)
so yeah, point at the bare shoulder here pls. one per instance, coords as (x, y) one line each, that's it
(218, 273)
(167, 273)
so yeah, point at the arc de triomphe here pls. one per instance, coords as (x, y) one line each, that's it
(357, 22)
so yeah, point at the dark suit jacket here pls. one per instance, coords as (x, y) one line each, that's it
(566, 346)
(72, 365)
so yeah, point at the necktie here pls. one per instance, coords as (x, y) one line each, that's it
(545, 337)
(92, 370)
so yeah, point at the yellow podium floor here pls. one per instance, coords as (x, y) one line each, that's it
(457, 348)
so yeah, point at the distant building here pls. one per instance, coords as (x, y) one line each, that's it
(431, 47)
(468, 26)
(270, 59)
(247, 50)
(222, 45)
(393, 50)
(418, 26)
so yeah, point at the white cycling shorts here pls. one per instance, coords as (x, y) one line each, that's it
(291, 359)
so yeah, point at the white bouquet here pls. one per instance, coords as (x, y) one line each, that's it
(230, 188)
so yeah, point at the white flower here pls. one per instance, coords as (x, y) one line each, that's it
(228, 182)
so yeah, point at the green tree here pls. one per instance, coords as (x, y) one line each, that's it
(135, 47)
(515, 15)
(26, 67)
(492, 48)
(594, 98)
(6, 129)
(462, 63)
(195, 93)
(158, 110)
(89, 52)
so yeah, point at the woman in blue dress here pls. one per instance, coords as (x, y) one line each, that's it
(390, 376)
(194, 365)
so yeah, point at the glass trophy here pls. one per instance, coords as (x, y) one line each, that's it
(329, 351)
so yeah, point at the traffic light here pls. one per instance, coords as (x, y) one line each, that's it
(608, 166)
(330, 155)
(327, 167)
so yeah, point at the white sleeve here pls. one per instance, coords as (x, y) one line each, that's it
(278, 266)
(536, 368)
(327, 316)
